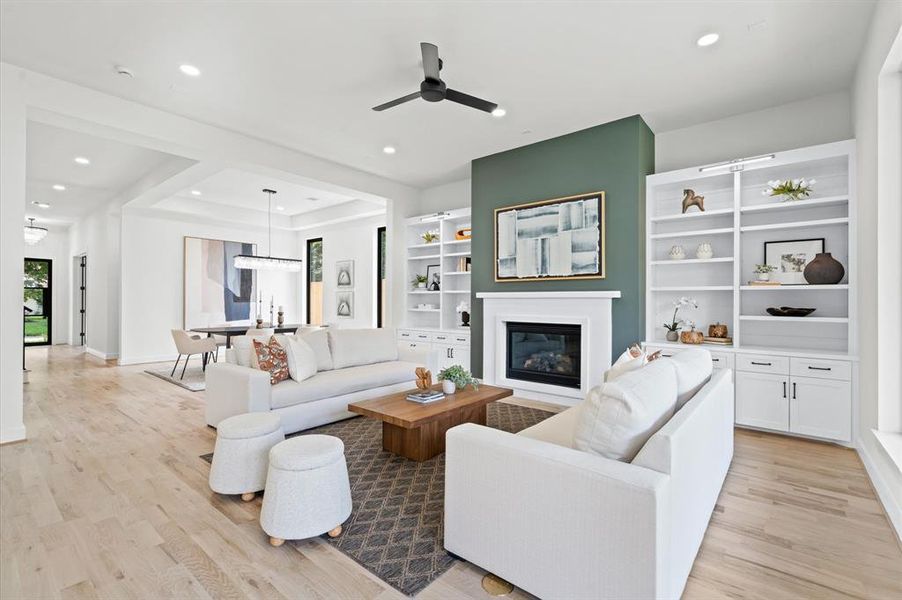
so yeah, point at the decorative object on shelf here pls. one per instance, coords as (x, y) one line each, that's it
(789, 189)
(762, 272)
(259, 322)
(704, 251)
(463, 264)
(33, 233)
(692, 336)
(424, 378)
(419, 281)
(723, 341)
(824, 270)
(690, 198)
(267, 263)
(463, 234)
(281, 316)
(344, 274)
(789, 311)
(560, 238)
(758, 283)
(677, 253)
(463, 309)
(425, 306)
(675, 324)
(431, 236)
(718, 330)
(791, 257)
(434, 277)
(456, 378)
(215, 291)
(344, 305)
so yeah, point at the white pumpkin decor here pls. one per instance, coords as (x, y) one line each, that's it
(704, 251)
(677, 253)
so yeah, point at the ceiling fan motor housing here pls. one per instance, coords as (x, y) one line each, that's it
(432, 91)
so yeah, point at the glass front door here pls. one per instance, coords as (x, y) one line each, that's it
(37, 302)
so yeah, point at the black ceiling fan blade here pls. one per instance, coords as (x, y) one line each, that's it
(471, 101)
(431, 66)
(398, 101)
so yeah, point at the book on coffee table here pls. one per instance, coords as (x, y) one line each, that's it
(424, 397)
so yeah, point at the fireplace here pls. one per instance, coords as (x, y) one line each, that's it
(548, 353)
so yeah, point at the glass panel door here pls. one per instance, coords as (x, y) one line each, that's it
(37, 302)
(380, 277)
(315, 281)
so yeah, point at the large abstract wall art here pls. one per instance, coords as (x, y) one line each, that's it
(216, 293)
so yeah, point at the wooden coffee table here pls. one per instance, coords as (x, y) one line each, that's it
(417, 431)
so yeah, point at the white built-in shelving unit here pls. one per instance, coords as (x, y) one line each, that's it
(737, 220)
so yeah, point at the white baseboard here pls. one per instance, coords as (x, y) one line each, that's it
(882, 486)
(101, 355)
(12, 434)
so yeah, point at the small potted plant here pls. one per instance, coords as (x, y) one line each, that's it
(789, 189)
(456, 378)
(419, 281)
(762, 272)
(673, 328)
(430, 236)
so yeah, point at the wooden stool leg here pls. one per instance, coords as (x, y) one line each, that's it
(335, 532)
(276, 542)
(248, 496)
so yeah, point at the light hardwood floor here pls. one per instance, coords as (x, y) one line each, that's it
(108, 498)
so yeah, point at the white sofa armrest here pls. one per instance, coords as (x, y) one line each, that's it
(428, 358)
(557, 522)
(234, 390)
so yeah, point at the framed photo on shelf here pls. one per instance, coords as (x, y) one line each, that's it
(560, 238)
(433, 278)
(790, 257)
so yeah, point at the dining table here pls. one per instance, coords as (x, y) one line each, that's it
(229, 331)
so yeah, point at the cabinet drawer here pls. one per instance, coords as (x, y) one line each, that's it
(722, 360)
(762, 363)
(422, 336)
(825, 369)
(460, 339)
(405, 334)
(441, 338)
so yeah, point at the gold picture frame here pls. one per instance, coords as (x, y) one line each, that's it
(511, 254)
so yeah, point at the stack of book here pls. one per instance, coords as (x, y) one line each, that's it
(463, 264)
(764, 283)
(724, 341)
(426, 396)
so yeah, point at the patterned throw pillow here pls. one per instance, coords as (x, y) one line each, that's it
(271, 357)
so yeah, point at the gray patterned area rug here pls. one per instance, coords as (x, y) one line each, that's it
(395, 529)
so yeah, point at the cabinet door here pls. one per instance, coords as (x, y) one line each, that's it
(460, 355)
(444, 357)
(821, 407)
(762, 400)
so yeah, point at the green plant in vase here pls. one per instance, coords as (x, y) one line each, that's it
(762, 272)
(430, 236)
(789, 189)
(456, 378)
(419, 281)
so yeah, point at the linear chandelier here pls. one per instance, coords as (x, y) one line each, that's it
(267, 263)
(33, 233)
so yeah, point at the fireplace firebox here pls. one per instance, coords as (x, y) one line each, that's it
(544, 352)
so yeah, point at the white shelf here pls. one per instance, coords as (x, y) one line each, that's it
(432, 245)
(457, 273)
(425, 256)
(692, 233)
(693, 288)
(794, 319)
(423, 292)
(752, 349)
(769, 288)
(693, 215)
(456, 291)
(429, 310)
(796, 224)
(692, 261)
(447, 254)
(467, 241)
(796, 204)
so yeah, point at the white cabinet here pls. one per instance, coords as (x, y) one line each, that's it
(762, 400)
(821, 407)
(453, 347)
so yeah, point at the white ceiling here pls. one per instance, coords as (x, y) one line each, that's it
(50, 160)
(305, 75)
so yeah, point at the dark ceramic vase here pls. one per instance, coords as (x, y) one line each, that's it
(824, 270)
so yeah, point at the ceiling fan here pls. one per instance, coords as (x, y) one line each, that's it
(433, 89)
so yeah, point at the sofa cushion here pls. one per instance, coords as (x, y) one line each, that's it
(301, 358)
(633, 358)
(337, 382)
(558, 429)
(243, 349)
(354, 347)
(273, 358)
(618, 417)
(318, 340)
(693, 370)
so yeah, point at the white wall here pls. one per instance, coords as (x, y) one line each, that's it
(448, 196)
(885, 26)
(55, 247)
(153, 277)
(353, 240)
(12, 219)
(817, 120)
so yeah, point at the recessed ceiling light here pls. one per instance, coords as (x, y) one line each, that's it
(59, 187)
(189, 70)
(196, 193)
(389, 150)
(708, 39)
(41, 204)
(280, 208)
(499, 112)
(82, 160)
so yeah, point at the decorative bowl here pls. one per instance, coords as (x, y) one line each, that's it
(789, 311)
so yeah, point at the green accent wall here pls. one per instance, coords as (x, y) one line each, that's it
(614, 157)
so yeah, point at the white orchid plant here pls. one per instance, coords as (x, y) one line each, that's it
(794, 189)
(675, 323)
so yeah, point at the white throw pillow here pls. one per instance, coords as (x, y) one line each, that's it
(618, 417)
(243, 348)
(693, 370)
(354, 347)
(318, 340)
(301, 358)
(626, 362)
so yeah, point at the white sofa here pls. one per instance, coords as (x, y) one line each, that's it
(353, 364)
(564, 523)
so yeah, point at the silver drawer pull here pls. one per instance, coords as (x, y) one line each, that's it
(715, 360)
(760, 364)
(820, 368)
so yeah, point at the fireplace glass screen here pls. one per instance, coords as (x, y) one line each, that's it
(544, 353)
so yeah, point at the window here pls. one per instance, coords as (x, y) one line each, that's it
(380, 277)
(315, 281)
(37, 305)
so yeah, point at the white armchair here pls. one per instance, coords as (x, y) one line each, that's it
(189, 345)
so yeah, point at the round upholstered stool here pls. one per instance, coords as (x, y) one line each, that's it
(307, 489)
(241, 454)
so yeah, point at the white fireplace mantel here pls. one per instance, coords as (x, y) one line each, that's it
(590, 310)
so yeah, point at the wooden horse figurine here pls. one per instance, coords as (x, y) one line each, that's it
(424, 378)
(691, 199)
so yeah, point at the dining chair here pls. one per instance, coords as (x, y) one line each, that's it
(193, 344)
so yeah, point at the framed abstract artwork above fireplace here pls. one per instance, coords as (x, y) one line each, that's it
(560, 238)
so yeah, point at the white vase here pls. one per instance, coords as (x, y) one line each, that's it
(448, 386)
(763, 276)
(704, 251)
(677, 253)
